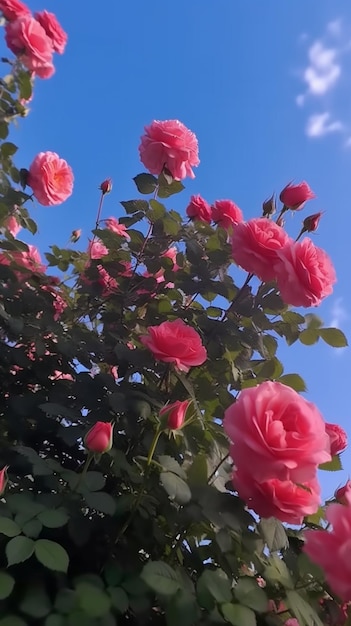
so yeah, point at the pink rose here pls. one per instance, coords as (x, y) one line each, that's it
(276, 433)
(174, 414)
(199, 209)
(53, 29)
(283, 499)
(29, 260)
(305, 273)
(3, 479)
(175, 342)
(331, 549)
(292, 621)
(57, 375)
(27, 39)
(255, 245)
(311, 223)
(58, 302)
(13, 9)
(225, 213)
(99, 438)
(343, 494)
(120, 229)
(12, 225)
(338, 438)
(96, 249)
(171, 253)
(171, 145)
(106, 186)
(106, 281)
(50, 178)
(295, 196)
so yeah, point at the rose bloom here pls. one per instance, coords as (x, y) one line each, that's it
(175, 414)
(169, 144)
(3, 479)
(57, 375)
(276, 432)
(225, 213)
(58, 302)
(96, 249)
(338, 438)
(255, 245)
(106, 281)
(331, 549)
(171, 253)
(283, 499)
(175, 342)
(343, 494)
(120, 229)
(199, 209)
(12, 9)
(311, 223)
(295, 196)
(30, 260)
(12, 225)
(292, 621)
(99, 438)
(305, 273)
(51, 179)
(53, 29)
(27, 39)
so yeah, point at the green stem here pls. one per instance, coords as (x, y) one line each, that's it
(237, 296)
(213, 474)
(284, 210)
(84, 470)
(188, 386)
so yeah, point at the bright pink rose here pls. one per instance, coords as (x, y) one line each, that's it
(30, 260)
(99, 438)
(255, 245)
(338, 438)
(343, 494)
(12, 225)
(171, 145)
(295, 196)
(50, 178)
(199, 209)
(12, 9)
(276, 432)
(96, 249)
(28, 40)
(171, 253)
(175, 342)
(305, 273)
(225, 213)
(114, 371)
(120, 229)
(107, 282)
(53, 29)
(3, 479)
(292, 621)
(175, 414)
(283, 499)
(331, 549)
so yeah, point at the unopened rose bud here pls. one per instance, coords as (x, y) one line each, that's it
(173, 415)
(269, 207)
(294, 197)
(337, 437)
(3, 479)
(310, 223)
(76, 235)
(343, 494)
(106, 186)
(99, 438)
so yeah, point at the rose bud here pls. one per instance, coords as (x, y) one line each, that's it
(106, 186)
(343, 494)
(3, 479)
(99, 438)
(338, 438)
(310, 223)
(294, 196)
(76, 235)
(174, 414)
(268, 207)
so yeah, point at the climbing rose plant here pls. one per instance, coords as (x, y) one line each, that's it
(157, 464)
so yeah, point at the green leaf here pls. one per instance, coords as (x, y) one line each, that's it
(303, 611)
(92, 600)
(198, 471)
(238, 615)
(160, 577)
(101, 501)
(8, 527)
(25, 85)
(36, 602)
(146, 183)
(32, 528)
(309, 336)
(51, 555)
(165, 190)
(294, 381)
(171, 465)
(7, 584)
(94, 481)
(19, 549)
(119, 599)
(274, 534)
(55, 620)
(12, 620)
(215, 583)
(333, 337)
(66, 601)
(313, 321)
(134, 206)
(4, 130)
(182, 609)
(176, 487)
(332, 466)
(248, 592)
(53, 518)
(113, 574)
(8, 149)
(277, 572)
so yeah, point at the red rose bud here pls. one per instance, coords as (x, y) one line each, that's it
(76, 235)
(106, 186)
(3, 479)
(99, 438)
(343, 494)
(310, 223)
(294, 196)
(268, 207)
(174, 414)
(337, 437)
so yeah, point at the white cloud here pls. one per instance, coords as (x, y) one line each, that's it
(334, 27)
(320, 124)
(323, 71)
(338, 313)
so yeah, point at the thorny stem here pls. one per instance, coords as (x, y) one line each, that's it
(148, 234)
(213, 474)
(236, 298)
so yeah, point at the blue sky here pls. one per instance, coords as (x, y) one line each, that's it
(266, 89)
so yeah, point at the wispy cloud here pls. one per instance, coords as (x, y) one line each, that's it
(338, 313)
(321, 124)
(323, 70)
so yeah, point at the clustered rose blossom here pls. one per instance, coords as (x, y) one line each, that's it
(120, 229)
(226, 213)
(169, 145)
(51, 178)
(331, 549)
(278, 441)
(12, 225)
(58, 303)
(53, 30)
(29, 260)
(294, 197)
(96, 249)
(199, 209)
(175, 342)
(338, 438)
(13, 9)
(174, 414)
(99, 438)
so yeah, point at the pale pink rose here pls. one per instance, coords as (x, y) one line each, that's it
(175, 342)
(114, 371)
(199, 209)
(175, 413)
(295, 196)
(171, 253)
(255, 245)
(276, 433)
(120, 229)
(12, 225)
(331, 549)
(28, 40)
(225, 213)
(12, 9)
(171, 145)
(343, 494)
(51, 179)
(261, 582)
(58, 302)
(292, 621)
(305, 273)
(53, 29)
(283, 499)
(127, 271)
(96, 249)
(109, 285)
(30, 261)
(338, 438)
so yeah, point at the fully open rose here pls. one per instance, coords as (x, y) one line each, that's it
(51, 178)
(225, 213)
(12, 9)
(175, 342)
(27, 38)
(199, 209)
